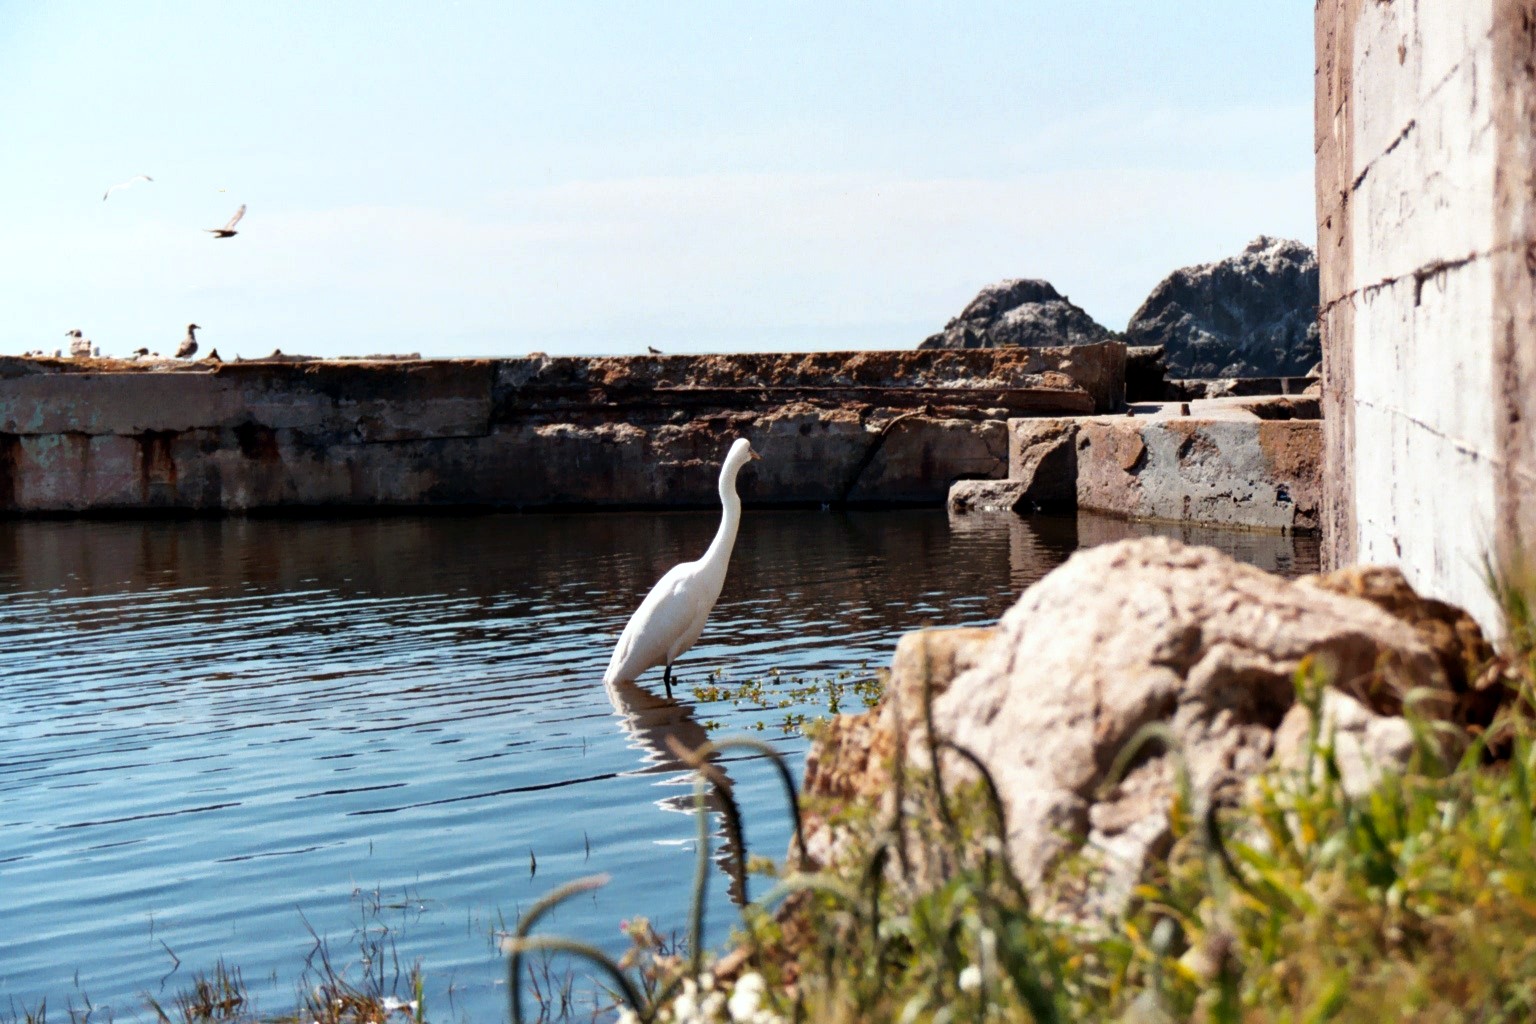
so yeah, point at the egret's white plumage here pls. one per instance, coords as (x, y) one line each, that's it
(672, 615)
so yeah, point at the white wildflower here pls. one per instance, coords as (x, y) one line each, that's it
(970, 979)
(685, 1008)
(747, 997)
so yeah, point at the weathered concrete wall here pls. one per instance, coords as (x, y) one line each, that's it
(1244, 474)
(1425, 125)
(1249, 464)
(832, 427)
(1221, 466)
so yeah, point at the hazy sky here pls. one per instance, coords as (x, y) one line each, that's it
(496, 178)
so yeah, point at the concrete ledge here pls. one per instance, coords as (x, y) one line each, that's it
(1227, 463)
(833, 428)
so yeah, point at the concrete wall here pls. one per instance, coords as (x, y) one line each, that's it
(861, 427)
(1240, 464)
(1424, 133)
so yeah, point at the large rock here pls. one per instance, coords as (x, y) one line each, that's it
(1022, 312)
(1252, 315)
(1121, 636)
(1467, 660)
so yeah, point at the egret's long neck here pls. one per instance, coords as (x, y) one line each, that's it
(725, 537)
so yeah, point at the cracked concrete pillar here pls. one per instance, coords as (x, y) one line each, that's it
(1426, 211)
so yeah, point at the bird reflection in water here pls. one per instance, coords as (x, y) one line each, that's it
(651, 721)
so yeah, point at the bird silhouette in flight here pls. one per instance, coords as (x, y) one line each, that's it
(228, 230)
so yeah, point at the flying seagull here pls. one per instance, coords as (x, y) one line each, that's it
(228, 229)
(188, 347)
(125, 184)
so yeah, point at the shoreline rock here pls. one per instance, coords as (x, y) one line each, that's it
(1139, 632)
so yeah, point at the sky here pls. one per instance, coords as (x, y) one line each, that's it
(498, 178)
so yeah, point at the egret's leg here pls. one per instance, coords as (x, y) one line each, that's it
(667, 679)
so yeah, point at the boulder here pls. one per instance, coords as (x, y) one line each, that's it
(1121, 636)
(1363, 741)
(1252, 315)
(1021, 312)
(849, 764)
(967, 496)
(1468, 662)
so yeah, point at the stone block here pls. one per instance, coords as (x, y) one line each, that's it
(1042, 457)
(1243, 473)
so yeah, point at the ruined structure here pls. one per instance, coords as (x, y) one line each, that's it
(1426, 210)
(833, 427)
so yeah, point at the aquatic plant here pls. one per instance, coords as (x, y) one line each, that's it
(805, 700)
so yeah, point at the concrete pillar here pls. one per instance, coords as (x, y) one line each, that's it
(1425, 135)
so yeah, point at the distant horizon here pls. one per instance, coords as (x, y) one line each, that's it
(491, 180)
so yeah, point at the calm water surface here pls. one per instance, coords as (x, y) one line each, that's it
(226, 738)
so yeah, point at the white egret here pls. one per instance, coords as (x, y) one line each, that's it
(672, 615)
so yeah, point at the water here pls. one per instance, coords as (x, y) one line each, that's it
(231, 738)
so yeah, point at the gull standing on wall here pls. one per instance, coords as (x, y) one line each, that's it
(228, 230)
(125, 184)
(188, 347)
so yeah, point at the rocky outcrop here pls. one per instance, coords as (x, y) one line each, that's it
(1022, 312)
(1122, 636)
(1252, 315)
(1468, 662)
